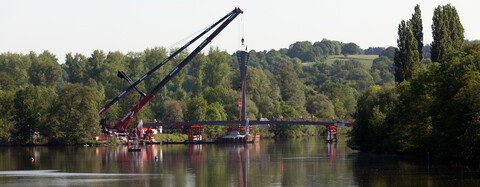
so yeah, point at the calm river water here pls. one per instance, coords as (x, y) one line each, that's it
(300, 162)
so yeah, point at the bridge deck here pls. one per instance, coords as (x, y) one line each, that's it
(284, 121)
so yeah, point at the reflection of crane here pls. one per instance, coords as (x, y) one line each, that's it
(195, 154)
(241, 155)
(332, 150)
(124, 123)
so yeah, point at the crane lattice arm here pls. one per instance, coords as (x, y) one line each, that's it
(134, 85)
(123, 124)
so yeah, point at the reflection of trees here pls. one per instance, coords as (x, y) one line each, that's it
(228, 167)
(301, 162)
(309, 162)
(387, 170)
(190, 165)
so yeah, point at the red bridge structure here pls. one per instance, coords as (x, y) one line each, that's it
(242, 125)
(284, 121)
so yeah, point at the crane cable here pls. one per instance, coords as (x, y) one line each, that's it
(188, 37)
(241, 33)
(241, 36)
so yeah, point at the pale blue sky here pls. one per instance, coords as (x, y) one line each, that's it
(81, 26)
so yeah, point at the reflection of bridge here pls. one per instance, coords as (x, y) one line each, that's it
(284, 121)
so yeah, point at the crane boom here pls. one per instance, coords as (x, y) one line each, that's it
(123, 124)
(134, 85)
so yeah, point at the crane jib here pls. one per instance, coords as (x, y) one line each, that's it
(124, 123)
(229, 16)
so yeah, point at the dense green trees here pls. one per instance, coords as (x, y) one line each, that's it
(173, 112)
(373, 118)
(198, 75)
(382, 70)
(196, 109)
(277, 85)
(447, 32)
(374, 50)
(34, 95)
(287, 130)
(44, 70)
(305, 51)
(454, 109)
(31, 109)
(291, 90)
(206, 90)
(410, 47)
(351, 49)
(73, 117)
(263, 91)
(407, 58)
(7, 110)
(389, 52)
(349, 72)
(434, 113)
(417, 29)
(215, 112)
(328, 47)
(6, 82)
(320, 106)
(217, 68)
(16, 66)
(61, 101)
(76, 67)
(342, 97)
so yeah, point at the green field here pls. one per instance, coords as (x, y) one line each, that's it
(364, 59)
(175, 137)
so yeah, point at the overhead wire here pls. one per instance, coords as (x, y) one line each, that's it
(188, 37)
(241, 32)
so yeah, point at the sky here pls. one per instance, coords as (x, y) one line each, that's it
(82, 26)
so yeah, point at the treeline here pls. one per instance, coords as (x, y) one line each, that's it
(319, 51)
(431, 110)
(43, 101)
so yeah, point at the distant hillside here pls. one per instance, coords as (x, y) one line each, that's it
(366, 60)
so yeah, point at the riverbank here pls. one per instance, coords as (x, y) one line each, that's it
(265, 133)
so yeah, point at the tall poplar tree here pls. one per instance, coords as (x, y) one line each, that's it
(417, 29)
(447, 32)
(407, 60)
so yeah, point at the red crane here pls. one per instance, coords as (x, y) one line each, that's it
(123, 124)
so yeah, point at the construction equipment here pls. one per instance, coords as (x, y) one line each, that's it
(123, 124)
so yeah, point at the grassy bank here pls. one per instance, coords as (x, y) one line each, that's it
(366, 60)
(175, 137)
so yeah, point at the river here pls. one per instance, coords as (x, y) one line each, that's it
(298, 162)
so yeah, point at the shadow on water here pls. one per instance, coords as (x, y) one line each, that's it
(381, 170)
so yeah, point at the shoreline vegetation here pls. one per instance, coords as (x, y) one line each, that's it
(58, 103)
(178, 137)
(432, 109)
(414, 98)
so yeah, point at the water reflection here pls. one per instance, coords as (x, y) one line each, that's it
(298, 162)
(185, 164)
(332, 150)
(240, 154)
(380, 170)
